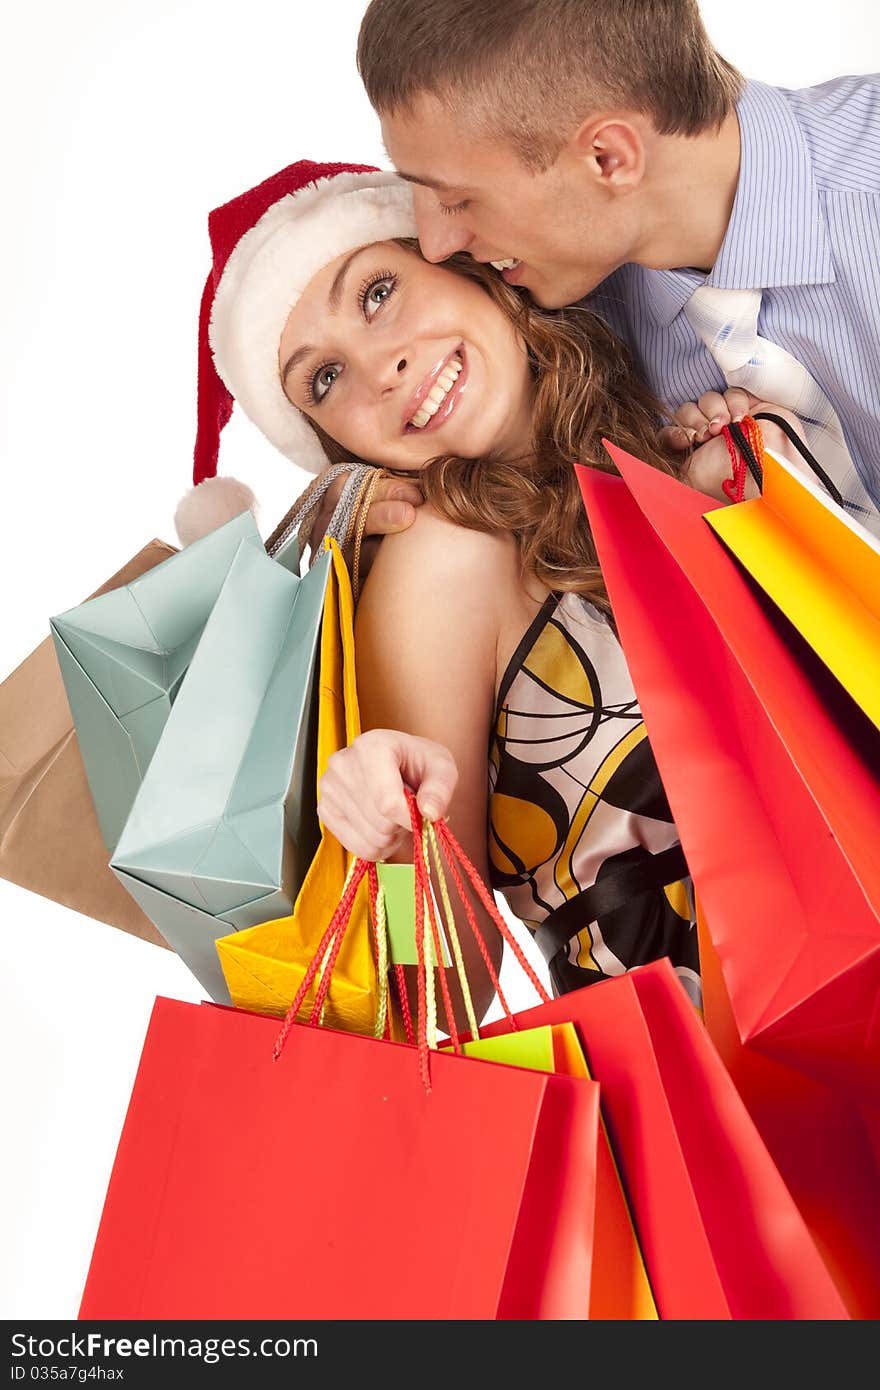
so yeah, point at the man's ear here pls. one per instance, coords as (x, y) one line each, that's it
(611, 150)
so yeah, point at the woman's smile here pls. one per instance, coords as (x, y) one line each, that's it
(435, 400)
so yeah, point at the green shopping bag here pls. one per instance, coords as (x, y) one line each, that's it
(123, 656)
(224, 825)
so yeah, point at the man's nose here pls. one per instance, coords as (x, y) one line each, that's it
(440, 236)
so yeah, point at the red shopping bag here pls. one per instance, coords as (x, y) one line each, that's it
(776, 805)
(331, 1184)
(720, 1232)
(821, 1143)
(771, 773)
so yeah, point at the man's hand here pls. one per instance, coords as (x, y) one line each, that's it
(699, 427)
(702, 420)
(393, 508)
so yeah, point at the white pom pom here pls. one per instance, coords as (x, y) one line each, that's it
(211, 504)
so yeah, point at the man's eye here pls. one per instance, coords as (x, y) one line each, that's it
(375, 293)
(450, 209)
(321, 382)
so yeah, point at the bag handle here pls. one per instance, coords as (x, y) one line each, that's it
(436, 838)
(746, 437)
(745, 449)
(359, 477)
(804, 452)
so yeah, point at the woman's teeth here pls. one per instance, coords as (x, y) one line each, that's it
(504, 265)
(438, 393)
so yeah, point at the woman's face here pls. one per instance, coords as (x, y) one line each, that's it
(400, 361)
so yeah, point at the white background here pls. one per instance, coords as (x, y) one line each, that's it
(123, 124)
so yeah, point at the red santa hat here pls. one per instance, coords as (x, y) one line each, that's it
(267, 244)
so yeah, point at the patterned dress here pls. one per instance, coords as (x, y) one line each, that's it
(581, 838)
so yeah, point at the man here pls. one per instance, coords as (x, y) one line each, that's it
(728, 231)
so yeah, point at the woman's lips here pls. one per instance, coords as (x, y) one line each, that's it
(453, 396)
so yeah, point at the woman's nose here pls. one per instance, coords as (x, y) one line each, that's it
(387, 373)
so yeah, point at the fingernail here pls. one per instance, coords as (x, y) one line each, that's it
(430, 808)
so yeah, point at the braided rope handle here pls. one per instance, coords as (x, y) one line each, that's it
(345, 514)
(360, 511)
(745, 449)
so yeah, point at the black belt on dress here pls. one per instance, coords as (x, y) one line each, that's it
(615, 888)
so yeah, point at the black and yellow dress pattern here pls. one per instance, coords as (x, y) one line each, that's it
(581, 838)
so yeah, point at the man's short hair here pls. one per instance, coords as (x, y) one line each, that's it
(531, 71)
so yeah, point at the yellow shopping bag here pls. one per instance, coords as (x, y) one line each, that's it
(820, 568)
(619, 1287)
(265, 965)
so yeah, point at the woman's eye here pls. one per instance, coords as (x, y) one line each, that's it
(374, 295)
(450, 209)
(321, 382)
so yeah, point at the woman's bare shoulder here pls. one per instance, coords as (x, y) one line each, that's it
(437, 551)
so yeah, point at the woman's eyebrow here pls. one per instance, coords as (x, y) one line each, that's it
(334, 295)
(294, 360)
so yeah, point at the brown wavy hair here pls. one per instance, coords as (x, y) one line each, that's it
(585, 391)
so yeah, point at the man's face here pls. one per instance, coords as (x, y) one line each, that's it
(563, 229)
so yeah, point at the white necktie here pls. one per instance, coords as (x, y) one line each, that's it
(727, 322)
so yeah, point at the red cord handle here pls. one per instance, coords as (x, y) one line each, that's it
(462, 872)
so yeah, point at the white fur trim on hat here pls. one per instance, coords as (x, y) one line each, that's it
(265, 276)
(209, 505)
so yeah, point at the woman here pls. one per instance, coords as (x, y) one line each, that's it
(484, 629)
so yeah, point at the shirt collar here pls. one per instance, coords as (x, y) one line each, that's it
(776, 235)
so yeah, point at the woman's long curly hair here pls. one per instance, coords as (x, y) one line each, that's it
(585, 391)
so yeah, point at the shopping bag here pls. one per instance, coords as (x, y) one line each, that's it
(50, 838)
(124, 654)
(619, 1288)
(264, 966)
(332, 1185)
(720, 1233)
(224, 823)
(820, 568)
(771, 773)
(819, 1139)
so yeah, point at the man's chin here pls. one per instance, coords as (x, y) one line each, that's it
(554, 292)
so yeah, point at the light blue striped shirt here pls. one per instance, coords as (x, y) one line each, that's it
(805, 229)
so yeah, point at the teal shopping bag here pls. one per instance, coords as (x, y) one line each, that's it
(123, 656)
(224, 824)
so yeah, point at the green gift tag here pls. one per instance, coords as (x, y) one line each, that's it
(531, 1048)
(399, 882)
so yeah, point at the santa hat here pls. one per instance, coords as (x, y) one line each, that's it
(267, 244)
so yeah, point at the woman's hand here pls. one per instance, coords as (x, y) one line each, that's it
(361, 795)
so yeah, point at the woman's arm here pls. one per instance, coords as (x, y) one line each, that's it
(427, 634)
